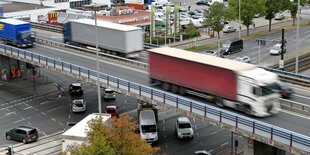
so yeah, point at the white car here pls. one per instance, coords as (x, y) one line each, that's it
(109, 94)
(183, 128)
(228, 29)
(78, 105)
(276, 49)
(279, 16)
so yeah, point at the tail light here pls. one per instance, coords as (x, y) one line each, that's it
(283, 92)
(28, 137)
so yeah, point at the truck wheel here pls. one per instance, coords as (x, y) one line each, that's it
(174, 89)
(219, 101)
(165, 86)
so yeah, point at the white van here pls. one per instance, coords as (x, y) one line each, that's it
(148, 126)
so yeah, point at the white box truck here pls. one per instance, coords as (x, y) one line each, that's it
(118, 39)
(77, 134)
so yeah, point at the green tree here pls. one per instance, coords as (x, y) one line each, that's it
(191, 31)
(248, 10)
(275, 6)
(293, 7)
(118, 138)
(216, 16)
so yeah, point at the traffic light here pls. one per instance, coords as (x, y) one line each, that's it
(9, 150)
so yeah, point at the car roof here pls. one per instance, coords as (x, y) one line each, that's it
(76, 84)
(27, 128)
(183, 120)
(75, 100)
(108, 89)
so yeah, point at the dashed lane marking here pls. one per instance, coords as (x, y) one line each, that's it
(43, 102)
(10, 113)
(224, 144)
(18, 121)
(27, 108)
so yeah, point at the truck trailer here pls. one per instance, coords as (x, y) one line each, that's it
(77, 135)
(234, 84)
(118, 39)
(16, 32)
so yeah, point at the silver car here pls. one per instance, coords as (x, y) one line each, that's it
(109, 94)
(243, 58)
(183, 128)
(228, 29)
(78, 105)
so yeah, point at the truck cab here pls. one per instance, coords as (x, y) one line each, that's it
(26, 38)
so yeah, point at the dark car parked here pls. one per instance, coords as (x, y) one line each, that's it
(25, 134)
(232, 46)
(75, 89)
(202, 2)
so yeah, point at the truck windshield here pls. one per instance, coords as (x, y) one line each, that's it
(25, 35)
(267, 90)
(148, 128)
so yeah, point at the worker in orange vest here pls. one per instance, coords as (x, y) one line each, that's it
(13, 75)
(18, 72)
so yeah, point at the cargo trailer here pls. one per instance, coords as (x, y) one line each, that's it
(118, 39)
(233, 84)
(16, 32)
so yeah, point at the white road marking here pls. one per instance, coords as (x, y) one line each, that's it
(19, 120)
(27, 108)
(54, 109)
(224, 144)
(10, 113)
(295, 114)
(53, 119)
(43, 102)
(211, 150)
(43, 113)
(60, 123)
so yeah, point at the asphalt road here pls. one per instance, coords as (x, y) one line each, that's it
(43, 109)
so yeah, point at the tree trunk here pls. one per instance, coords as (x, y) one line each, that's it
(218, 40)
(270, 25)
(247, 30)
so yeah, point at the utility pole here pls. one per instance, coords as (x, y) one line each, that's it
(281, 62)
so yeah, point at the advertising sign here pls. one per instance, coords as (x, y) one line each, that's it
(52, 17)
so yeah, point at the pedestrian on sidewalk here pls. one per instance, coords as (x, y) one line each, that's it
(253, 26)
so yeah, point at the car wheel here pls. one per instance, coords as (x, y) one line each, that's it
(8, 137)
(24, 141)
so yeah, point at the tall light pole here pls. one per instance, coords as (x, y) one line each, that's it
(94, 7)
(297, 37)
(239, 18)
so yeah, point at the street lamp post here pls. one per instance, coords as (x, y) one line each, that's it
(297, 37)
(239, 18)
(95, 7)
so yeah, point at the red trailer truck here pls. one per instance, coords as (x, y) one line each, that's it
(234, 84)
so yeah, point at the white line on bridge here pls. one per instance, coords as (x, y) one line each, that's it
(295, 114)
(224, 144)
(301, 96)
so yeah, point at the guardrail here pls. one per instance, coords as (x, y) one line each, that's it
(267, 133)
(290, 77)
(105, 56)
(47, 27)
(295, 106)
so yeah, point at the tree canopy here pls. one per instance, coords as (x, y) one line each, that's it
(118, 138)
(248, 10)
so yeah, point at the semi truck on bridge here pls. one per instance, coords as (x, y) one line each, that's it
(16, 32)
(234, 84)
(118, 39)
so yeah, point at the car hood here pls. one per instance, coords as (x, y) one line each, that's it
(274, 51)
(149, 135)
(186, 130)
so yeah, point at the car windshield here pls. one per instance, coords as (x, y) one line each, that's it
(226, 45)
(276, 47)
(109, 91)
(25, 35)
(184, 125)
(148, 128)
(76, 87)
(111, 110)
(78, 103)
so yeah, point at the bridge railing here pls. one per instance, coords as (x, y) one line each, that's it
(273, 135)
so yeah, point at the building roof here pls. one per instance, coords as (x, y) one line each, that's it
(81, 128)
(13, 21)
(203, 59)
(105, 24)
